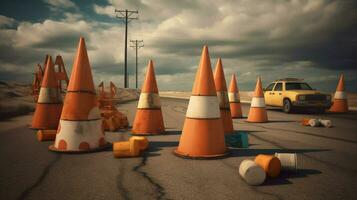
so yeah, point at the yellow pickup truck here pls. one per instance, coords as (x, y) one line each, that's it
(292, 93)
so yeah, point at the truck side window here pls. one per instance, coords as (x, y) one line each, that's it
(270, 87)
(278, 87)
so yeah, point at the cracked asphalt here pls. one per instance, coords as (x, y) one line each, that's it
(327, 162)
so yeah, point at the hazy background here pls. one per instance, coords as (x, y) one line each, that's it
(311, 39)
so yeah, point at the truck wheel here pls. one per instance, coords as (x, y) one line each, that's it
(287, 107)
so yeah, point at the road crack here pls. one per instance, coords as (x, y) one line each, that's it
(42, 177)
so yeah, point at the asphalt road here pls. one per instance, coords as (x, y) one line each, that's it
(327, 161)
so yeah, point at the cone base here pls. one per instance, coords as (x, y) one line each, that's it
(46, 135)
(339, 106)
(101, 148)
(227, 121)
(46, 116)
(257, 115)
(236, 110)
(203, 157)
(202, 138)
(148, 122)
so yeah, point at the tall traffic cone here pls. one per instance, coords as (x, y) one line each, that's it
(80, 128)
(203, 133)
(221, 89)
(234, 99)
(340, 104)
(49, 104)
(257, 112)
(148, 119)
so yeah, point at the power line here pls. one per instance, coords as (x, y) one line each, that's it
(138, 44)
(126, 18)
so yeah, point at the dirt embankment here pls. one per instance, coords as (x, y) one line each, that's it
(16, 99)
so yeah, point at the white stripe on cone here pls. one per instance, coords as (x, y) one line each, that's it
(340, 95)
(75, 132)
(149, 100)
(233, 97)
(252, 173)
(258, 102)
(205, 107)
(289, 161)
(49, 95)
(223, 99)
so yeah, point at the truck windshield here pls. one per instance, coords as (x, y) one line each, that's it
(297, 86)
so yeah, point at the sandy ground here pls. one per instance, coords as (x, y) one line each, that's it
(246, 96)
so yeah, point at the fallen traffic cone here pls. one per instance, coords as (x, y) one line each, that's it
(203, 134)
(234, 99)
(80, 128)
(257, 112)
(148, 119)
(340, 104)
(126, 149)
(49, 104)
(270, 164)
(221, 88)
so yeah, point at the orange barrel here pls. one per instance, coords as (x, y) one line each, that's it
(143, 142)
(269, 163)
(252, 173)
(46, 135)
(288, 161)
(126, 149)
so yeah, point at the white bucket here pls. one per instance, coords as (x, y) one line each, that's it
(314, 122)
(325, 122)
(288, 161)
(252, 173)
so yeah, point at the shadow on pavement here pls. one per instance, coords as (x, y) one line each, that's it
(237, 152)
(285, 175)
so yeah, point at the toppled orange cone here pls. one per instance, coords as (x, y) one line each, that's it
(221, 88)
(148, 119)
(234, 99)
(131, 148)
(80, 128)
(257, 112)
(270, 164)
(340, 104)
(203, 133)
(49, 104)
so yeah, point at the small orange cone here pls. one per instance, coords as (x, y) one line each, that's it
(340, 104)
(49, 104)
(234, 99)
(148, 119)
(203, 133)
(80, 128)
(257, 112)
(221, 88)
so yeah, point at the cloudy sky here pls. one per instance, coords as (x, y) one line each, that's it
(311, 39)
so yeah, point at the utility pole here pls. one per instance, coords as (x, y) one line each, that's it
(138, 44)
(126, 18)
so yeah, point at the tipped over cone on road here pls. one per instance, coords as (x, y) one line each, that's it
(148, 119)
(257, 112)
(80, 128)
(49, 104)
(221, 89)
(234, 98)
(340, 104)
(203, 134)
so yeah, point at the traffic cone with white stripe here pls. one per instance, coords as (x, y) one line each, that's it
(148, 119)
(234, 99)
(257, 112)
(203, 134)
(221, 89)
(80, 128)
(340, 104)
(49, 104)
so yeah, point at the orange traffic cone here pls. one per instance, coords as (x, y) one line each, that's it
(49, 104)
(234, 99)
(340, 104)
(257, 112)
(80, 128)
(203, 133)
(221, 88)
(148, 119)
